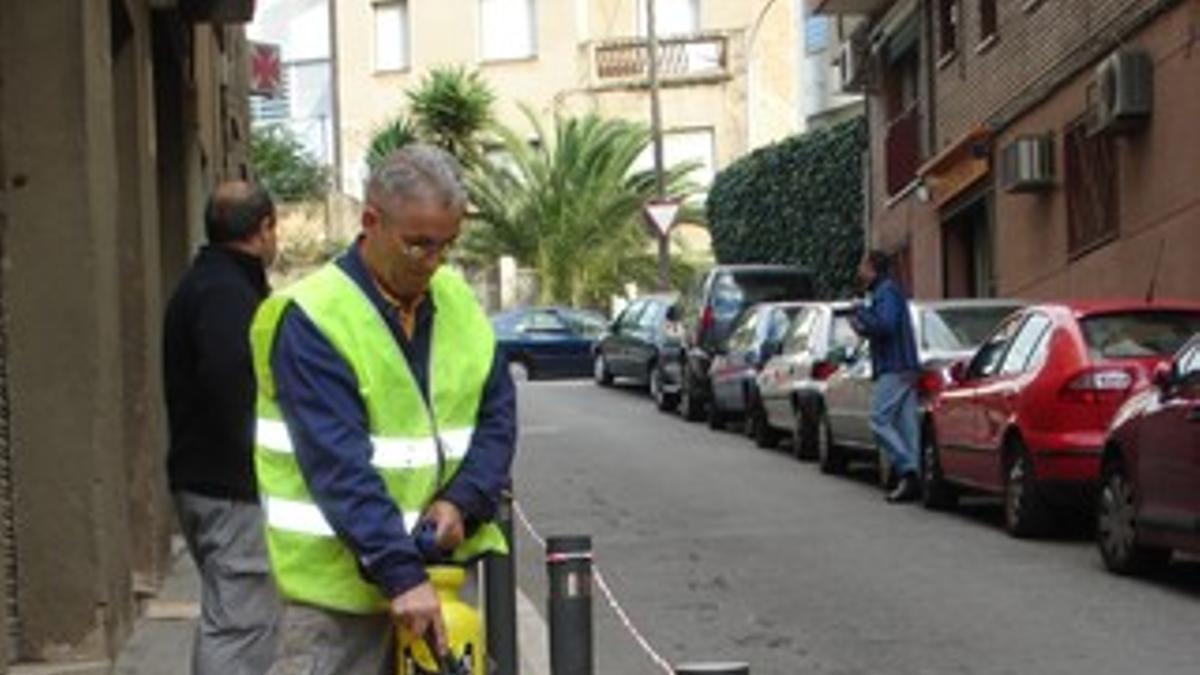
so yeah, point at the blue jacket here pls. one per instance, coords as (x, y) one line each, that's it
(319, 398)
(887, 323)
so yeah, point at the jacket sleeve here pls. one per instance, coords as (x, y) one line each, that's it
(319, 398)
(485, 471)
(883, 316)
(224, 374)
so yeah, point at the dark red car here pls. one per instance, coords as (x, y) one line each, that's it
(1026, 417)
(1150, 497)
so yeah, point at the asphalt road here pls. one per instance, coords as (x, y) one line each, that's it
(719, 550)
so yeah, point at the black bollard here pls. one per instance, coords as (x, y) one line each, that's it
(500, 600)
(713, 669)
(569, 568)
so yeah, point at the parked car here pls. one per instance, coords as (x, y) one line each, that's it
(792, 384)
(1026, 417)
(1150, 491)
(643, 345)
(945, 331)
(548, 342)
(756, 336)
(707, 313)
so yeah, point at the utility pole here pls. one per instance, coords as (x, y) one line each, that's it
(664, 242)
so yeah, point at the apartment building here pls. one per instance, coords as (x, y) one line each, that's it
(116, 118)
(728, 67)
(1035, 148)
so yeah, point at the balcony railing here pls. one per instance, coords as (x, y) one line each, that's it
(903, 148)
(681, 59)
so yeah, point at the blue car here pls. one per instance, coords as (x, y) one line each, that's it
(548, 342)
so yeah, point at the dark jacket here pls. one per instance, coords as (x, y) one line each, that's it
(885, 320)
(327, 420)
(208, 375)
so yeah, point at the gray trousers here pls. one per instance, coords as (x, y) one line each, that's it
(315, 641)
(239, 607)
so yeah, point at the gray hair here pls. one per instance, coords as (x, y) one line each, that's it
(418, 171)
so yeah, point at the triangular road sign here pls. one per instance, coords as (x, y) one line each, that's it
(662, 213)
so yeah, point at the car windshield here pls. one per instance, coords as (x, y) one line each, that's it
(734, 291)
(1132, 335)
(961, 328)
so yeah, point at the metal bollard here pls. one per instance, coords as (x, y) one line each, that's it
(500, 596)
(713, 669)
(569, 568)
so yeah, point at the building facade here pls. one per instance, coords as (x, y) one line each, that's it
(1036, 149)
(728, 67)
(116, 117)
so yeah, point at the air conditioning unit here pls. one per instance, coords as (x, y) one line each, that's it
(1027, 164)
(1121, 93)
(855, 62)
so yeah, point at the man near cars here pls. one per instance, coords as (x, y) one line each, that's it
(884, 319)
(383, 405)
(209, 386)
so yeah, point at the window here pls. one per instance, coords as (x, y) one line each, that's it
(743, 336)
(1020, 357)
(987, 20)
(842, 334)
(987, 360)
(1138, 335)
(391, 35)
(629, 317)
(543, 322)
(948, 27)
(800, 332)
(671, 17)
(816, 34)
(690, 145)
(507, 29)
(1091, 185)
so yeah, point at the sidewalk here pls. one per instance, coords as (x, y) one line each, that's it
(161, 643)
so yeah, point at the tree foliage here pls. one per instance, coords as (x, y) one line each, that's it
(390, 137)
(797, 202)
(569, 206)
(284, 167)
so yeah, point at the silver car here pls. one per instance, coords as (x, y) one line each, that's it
(792, 384)
(946, 331)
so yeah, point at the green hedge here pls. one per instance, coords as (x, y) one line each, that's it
(800, 202)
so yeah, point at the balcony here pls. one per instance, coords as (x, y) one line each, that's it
(847, 7)
(902, 149)
(682, 60)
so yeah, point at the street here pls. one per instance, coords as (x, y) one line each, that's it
(721, 551)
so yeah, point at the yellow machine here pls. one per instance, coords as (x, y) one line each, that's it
(464, 629)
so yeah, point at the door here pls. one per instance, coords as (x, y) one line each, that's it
(644, 339)
(1169, 449)
(960, 415)
(554, 348)
(848, 400)
(619, 347)
(727, 367)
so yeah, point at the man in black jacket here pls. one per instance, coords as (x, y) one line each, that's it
(210, 392)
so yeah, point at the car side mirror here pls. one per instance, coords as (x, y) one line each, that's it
(673, 313)
(958, 372)
(1164, 376)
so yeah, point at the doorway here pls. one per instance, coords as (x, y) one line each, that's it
(967, 250)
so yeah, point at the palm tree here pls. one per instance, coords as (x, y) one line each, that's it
(569, 205)
(395, 134)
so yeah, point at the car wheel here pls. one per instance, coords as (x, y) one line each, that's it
(1024, 512)
(662, 400)
(600, 371)
(691, 407)
(938, 493)
(716, 418)
(804, 438)
(1116, 527)
(764, 436)
(518, 371)
(829, 457)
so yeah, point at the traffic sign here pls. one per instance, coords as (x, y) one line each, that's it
(662, 212)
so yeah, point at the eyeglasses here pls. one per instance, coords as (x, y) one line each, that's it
(424, 250)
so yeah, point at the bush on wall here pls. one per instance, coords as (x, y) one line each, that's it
(798, 202)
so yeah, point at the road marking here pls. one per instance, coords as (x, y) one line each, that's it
(534, 643)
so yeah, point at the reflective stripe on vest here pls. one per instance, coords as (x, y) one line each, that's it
(309, 563)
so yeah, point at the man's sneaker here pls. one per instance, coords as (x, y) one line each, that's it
(907, 490)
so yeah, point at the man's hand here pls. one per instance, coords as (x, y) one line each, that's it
(420, 613)
(450, 529)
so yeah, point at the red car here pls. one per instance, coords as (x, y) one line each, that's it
(1026, 417)
(1150, 495)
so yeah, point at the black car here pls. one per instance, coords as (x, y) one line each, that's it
(643, 345)
(548, 342)
(709, 309)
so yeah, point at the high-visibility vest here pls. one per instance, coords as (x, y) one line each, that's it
(416, 447)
